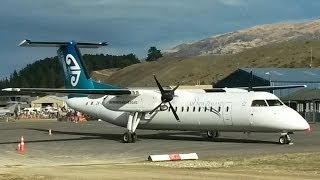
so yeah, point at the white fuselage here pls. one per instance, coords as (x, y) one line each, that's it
(198, 110)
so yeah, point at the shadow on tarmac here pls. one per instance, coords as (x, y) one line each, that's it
(181, 136)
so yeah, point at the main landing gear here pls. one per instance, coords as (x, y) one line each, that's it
(130, 136)
(285, 138)
(213, 134)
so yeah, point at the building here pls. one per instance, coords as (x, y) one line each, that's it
(305, 101)
(272, 77)
(53, 101)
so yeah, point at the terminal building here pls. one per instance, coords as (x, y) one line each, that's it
(272, 77)
(305, 100)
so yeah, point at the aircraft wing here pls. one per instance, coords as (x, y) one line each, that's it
(270, 88)
(256, 88)
(71, 91)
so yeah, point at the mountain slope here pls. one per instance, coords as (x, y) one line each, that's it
(238, 41)
(212, 68)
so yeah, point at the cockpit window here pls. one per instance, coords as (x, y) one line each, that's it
(274, 102)
(256, 103)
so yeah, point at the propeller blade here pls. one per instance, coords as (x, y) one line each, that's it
(155, 108)
(175, 87)
(159, 85)
(174, 112)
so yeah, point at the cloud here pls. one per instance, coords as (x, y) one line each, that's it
(132, 26)
(232, 2)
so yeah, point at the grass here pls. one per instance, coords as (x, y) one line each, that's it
(210, 69)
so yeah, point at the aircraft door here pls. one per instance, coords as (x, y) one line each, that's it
(227, 114)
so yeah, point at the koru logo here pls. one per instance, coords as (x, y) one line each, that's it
(75, 69)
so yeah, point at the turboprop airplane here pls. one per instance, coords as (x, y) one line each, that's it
(210, 110)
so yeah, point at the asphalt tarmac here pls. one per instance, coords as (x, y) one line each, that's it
(96, 142)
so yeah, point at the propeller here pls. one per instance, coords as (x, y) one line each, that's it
(166, 97)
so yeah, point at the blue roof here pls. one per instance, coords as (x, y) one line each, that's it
(286, 74)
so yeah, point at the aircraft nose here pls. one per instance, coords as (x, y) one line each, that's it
(295, 121)
(300, 123)
(304, 124)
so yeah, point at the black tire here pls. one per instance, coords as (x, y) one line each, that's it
(283, 140)
(127, 137)
(210, 134)
(216, 134)
(134, 137)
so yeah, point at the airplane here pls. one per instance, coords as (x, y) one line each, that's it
(9, 109)
(206, 110)
(3, 112)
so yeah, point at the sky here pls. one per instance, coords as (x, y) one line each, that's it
(131, 26)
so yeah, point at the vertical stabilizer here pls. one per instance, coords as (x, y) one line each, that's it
(75, 73)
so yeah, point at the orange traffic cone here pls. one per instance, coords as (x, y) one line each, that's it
(50, 132)
(21, 147)
(18, 147)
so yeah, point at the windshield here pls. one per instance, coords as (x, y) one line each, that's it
(256, 103)
(274, 102)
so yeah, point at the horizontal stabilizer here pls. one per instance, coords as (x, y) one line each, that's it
(29, 43)
(72, 91)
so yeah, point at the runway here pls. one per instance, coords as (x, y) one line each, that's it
(96, 142)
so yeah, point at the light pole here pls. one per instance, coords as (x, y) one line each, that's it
(268, 73)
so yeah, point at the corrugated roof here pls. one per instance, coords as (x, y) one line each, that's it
(286, 74)
(49, 98)
(305, 94)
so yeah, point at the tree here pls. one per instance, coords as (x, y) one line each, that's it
(153, 54)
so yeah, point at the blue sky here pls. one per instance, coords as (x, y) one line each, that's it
(132, 26)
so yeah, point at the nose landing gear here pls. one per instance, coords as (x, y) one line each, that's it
(285, 138)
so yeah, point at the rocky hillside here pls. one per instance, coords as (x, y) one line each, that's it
(212, 68)
(238, 41)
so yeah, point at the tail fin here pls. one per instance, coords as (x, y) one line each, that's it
(76, 75)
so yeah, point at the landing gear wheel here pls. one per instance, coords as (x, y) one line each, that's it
(127, 137)
(217, 134)
(134, 137)
(210, 134)
(213, 134)
(282, 140)
(285, 139)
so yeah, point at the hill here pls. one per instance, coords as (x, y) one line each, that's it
(238, 41)
(49, 72)
(211, 68)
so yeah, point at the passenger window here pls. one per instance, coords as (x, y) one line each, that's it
(205, 109)
(219, 109)
(194, 109)
(188, 109)
(274, 102)
(199, 109)
(182, 109)
(227, 109)
(257, 103)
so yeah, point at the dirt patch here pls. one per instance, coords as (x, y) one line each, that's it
(279, 166)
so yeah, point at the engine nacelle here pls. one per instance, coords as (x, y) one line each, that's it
(145, 101)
